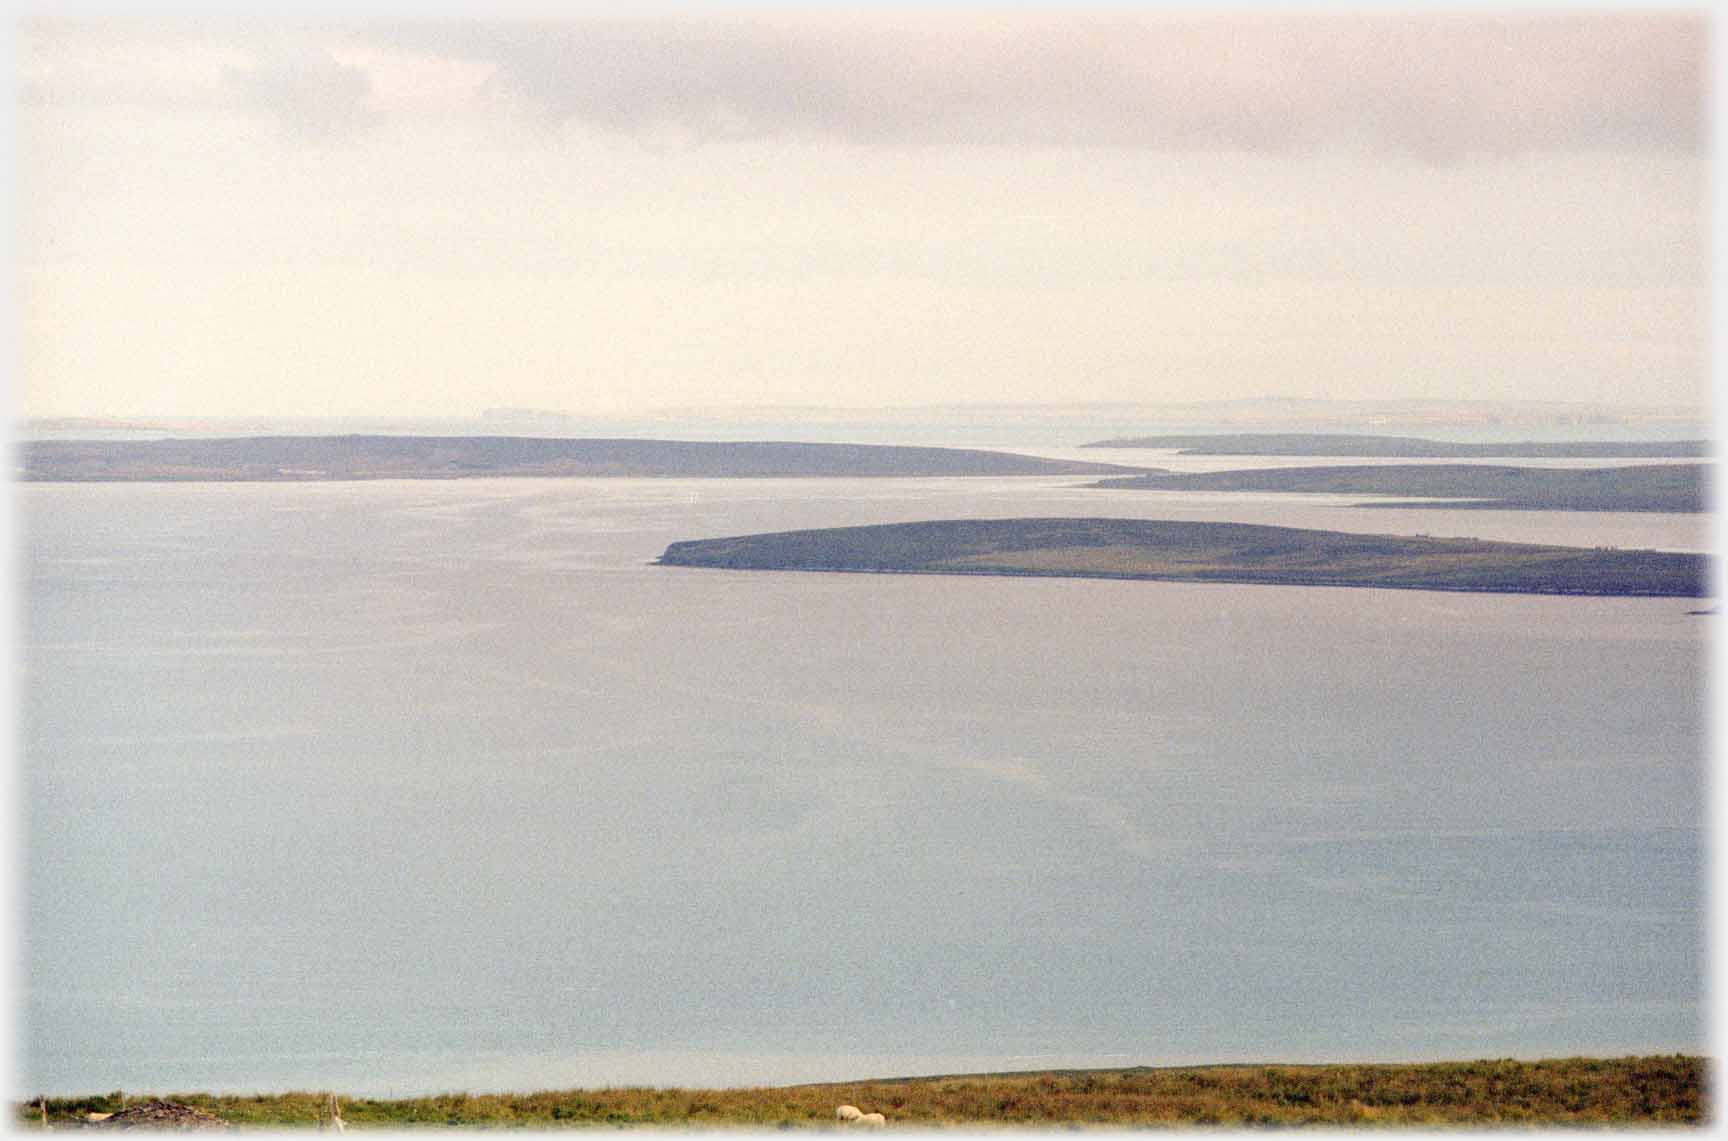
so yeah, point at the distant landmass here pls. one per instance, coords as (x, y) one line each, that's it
(291, 458)
(1404, 447)
(520, 415)
(1247, 412)
(1085, 420)
(1650, 487)
(1204, 552)
(90, 423)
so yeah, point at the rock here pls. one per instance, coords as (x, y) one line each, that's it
(161, 1115)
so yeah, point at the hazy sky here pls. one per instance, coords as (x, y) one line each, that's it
(611, 215)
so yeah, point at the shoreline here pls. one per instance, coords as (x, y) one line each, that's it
(1130, 576)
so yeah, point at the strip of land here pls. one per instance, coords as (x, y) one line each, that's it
(310, 458)
(1204, 552)
(1404, 447)
(1643, 1091)
(1645, 487)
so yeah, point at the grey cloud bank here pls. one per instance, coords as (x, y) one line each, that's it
(612, 215)
(313, 93)
(1440, 86)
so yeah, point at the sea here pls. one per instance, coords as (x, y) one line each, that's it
(403, 787)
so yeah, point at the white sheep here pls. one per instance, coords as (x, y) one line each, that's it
(871, 1120)
(848, 1113)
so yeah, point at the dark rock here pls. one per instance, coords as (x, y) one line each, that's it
(161, 1115)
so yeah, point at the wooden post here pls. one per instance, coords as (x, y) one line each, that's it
(336, 1114)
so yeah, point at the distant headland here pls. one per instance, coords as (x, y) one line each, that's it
(1646, 487)
(1405, 447)
(309, 458)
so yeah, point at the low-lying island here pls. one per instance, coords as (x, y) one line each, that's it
(1204, 552)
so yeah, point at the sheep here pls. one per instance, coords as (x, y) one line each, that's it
(848, 1113)
(871, 1121)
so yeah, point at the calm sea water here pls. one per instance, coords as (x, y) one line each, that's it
(401, 787)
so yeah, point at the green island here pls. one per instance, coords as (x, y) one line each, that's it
(1666, 1090)
(1204, 552)
(307, 458)
(1403, 447)
(1679, 488)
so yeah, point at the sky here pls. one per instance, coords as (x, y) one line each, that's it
(617, 214)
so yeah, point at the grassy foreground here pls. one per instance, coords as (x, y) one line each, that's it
(1573, 1091)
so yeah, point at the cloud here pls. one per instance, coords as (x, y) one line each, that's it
(1434, 85)
(119, 62)
(1441, 86)
(312, 94)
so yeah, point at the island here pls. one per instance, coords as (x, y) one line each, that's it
(302, 458)
(1204, 552)
(1649, 487)
(1404, 447)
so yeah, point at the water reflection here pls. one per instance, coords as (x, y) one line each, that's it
(391, 787)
